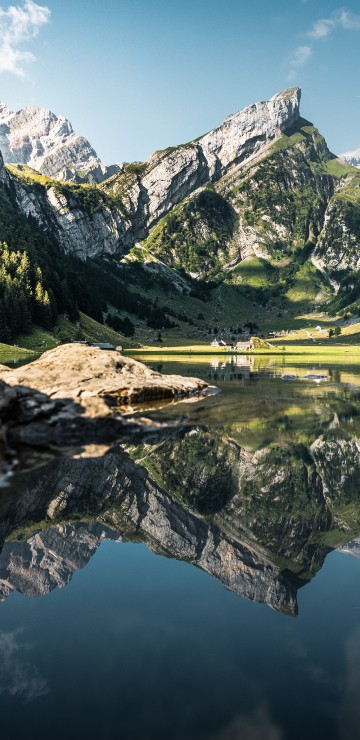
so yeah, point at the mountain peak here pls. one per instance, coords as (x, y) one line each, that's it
(5, 111)
(288, 94)
(353, 157)
(46, 142)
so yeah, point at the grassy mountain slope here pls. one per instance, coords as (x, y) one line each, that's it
(266, 244)
(263, 227)
(272, 208)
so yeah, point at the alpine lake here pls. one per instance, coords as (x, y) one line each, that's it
(201, 583)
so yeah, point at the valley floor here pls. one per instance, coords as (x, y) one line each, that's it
(309, 341)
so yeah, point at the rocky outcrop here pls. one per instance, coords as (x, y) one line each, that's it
(47, 143)
(99, 380)
(70, 399)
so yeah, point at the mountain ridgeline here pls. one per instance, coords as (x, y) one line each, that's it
(259, 204)
(47, 143)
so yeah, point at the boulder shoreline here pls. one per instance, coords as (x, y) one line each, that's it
(70, 398)
(99, 380)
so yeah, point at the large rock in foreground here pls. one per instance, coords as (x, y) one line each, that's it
(98, 379)
(69, 398)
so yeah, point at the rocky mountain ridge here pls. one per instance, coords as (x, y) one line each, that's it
(261, 185)
(171, 175)
(112, 218)
(47, 143)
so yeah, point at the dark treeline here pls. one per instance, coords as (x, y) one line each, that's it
(111, 281)
(39, 282)
(36, 280)
(23, 297)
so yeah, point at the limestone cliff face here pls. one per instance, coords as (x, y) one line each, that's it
(113, 218)
(243, 134)
(4, 175)
(173, 174)
(338, 246)
(279, 190)
(47, 143)
(81, 229)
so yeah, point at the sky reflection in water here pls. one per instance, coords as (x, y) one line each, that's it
(141, 646)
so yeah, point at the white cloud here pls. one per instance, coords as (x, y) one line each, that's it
(321, 29)
(341, 18)
(256, 726)
(348, 21)
(18, 676)
(300, 56)
(19, 24)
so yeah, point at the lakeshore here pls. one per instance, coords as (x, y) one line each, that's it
(304, 353)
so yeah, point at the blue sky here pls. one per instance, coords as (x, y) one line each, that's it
(138, 75)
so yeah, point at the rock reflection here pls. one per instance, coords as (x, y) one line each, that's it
(255, 486)
(126, 503)
(261, 522)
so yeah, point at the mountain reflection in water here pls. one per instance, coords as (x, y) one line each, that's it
(255, 486)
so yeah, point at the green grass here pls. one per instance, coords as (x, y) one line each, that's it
(252, 271)
(351, 190)
(10, 353)
(29, 176)
(40, 340)
(231, 304)
(306, 285)
(330, 352)
(286, 141)
(90, 330)
(350, 334)
(338, 168)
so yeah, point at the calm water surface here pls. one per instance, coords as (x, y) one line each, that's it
(197, 584)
